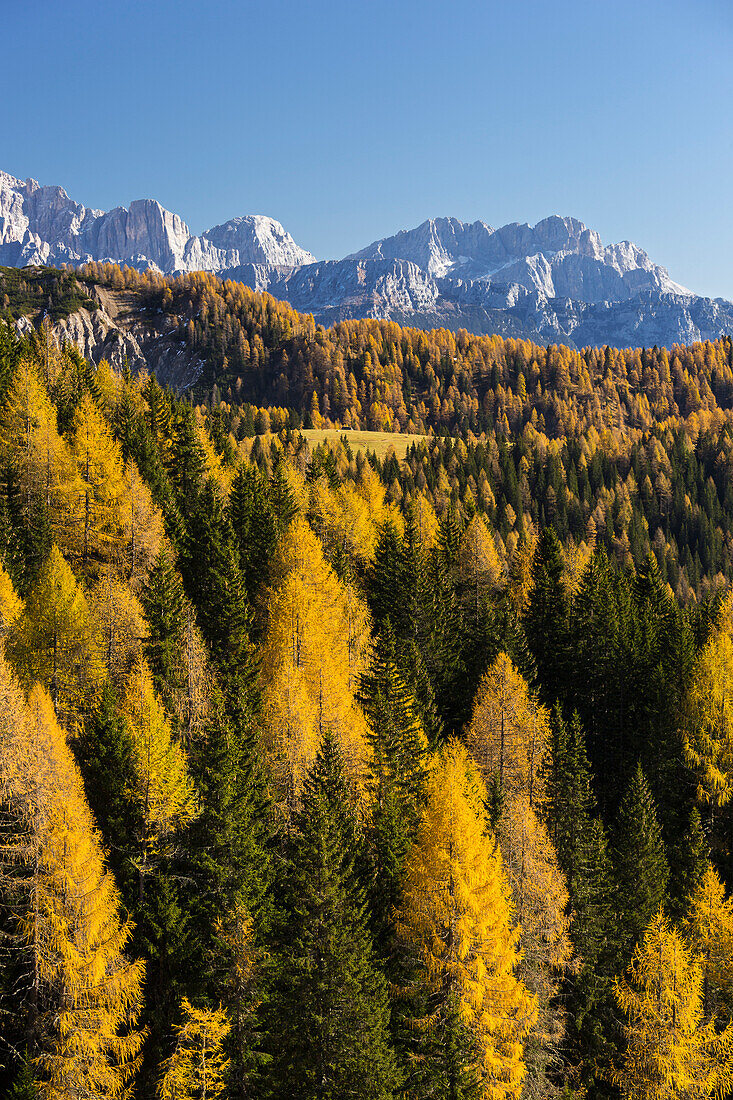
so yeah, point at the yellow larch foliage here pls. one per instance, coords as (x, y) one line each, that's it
(215, 468)
(426, 521)
(457, 918)
(10, 603)
(671, 1050)
(143, 533)
(236, 933)
(120, 624)
(708, 930)
(54, 640)
(314, 651)
(520, 572)
(164, 788)
(479, 566)
(576, 560)
(373, 493)
(197, 1069)
(509, 730)
(709, 718)
(108, 385)
(84, 996)
(540, 898)
(96, 531)
(30, 445)
(342, 519)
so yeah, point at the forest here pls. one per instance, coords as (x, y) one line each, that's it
(330, 776)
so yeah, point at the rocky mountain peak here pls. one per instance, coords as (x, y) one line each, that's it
(42, 225)
(552, 281)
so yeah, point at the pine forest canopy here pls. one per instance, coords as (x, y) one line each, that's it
(328, 773)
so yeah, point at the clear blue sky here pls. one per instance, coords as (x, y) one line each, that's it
(350, 120)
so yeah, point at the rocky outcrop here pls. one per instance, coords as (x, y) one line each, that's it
(554, 281)
(119, 331)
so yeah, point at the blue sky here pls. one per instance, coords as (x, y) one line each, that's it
(348, 121)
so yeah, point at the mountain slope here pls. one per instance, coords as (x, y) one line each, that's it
(551, 282)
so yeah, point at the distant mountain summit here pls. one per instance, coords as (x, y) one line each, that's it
(558, 257)
(554, 282)
(42, 225)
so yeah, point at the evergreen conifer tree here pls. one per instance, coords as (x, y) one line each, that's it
(214, 582)
(329, 1013)
(255, 527)
(398, 770)
(545, 619)
(640, 865)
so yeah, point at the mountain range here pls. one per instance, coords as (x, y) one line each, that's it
(554, 282)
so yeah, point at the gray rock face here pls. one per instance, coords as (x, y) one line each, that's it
(118, 332)
(554, 281)
(42, 225)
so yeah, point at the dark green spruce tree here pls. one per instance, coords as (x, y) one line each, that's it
(329, 1009)
(398, 769)
(546, 619)
(640, 865)
(255, 528)
(215, 585)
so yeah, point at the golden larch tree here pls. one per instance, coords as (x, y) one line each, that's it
(54, 640)
(120, 625)
(509, 730)
(97, 531)
(314, 652)
(708, 930)
(709, 718)
(197, 1069)
(10, 603)
(164, 789)
(672, 1051)
(479, 566)
(540, 899)
(31, 446)
(457, 921)
(143, 533)
(82, 996)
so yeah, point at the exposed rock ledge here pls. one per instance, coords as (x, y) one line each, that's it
(121, 333)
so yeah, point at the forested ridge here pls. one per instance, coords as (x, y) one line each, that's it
(323, 775)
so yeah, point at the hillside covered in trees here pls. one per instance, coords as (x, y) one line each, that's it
(325, 776)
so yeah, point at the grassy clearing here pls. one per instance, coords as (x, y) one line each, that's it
(378, 442)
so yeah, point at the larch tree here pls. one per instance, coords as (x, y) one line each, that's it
(120, 624)
(37, 462)
(10, 603)
(540, 899)
(142, 528)
(473, 1012)
(198, 1067)
(708, 931)
(164, 791)
(480, 568)
(313, 654)
(78, 995)
(98, 520)
(54, 640)
(671, 1050)
(509, 731)
(709, 718)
